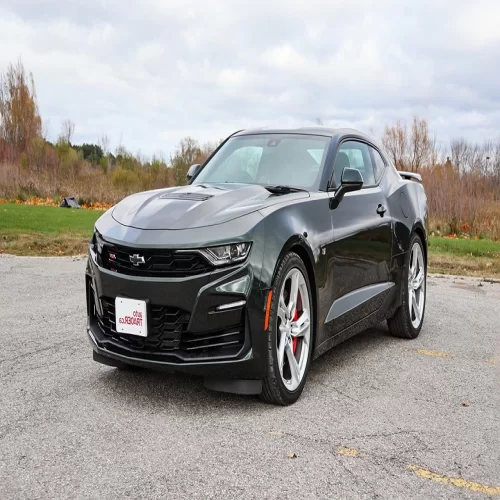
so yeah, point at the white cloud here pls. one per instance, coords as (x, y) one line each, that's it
(147, 73)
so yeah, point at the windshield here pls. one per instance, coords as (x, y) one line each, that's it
(268, 159)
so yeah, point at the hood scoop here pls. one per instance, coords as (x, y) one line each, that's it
(186, 196)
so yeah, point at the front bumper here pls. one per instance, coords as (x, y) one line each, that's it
(188, 334)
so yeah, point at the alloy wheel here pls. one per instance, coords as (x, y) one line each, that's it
(294, 329)
(416, 285)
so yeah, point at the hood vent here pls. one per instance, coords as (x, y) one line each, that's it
(186, 196)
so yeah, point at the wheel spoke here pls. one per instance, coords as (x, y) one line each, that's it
(416, 309)
(413, 267)
(282, 311)
(300, 326)
(294, 367)
(294, 292)
(417, 282)
(281, 351)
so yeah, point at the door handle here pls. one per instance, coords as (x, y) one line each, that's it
(381, 210)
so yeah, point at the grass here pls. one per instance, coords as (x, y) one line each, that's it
(40, 230)
(465, 247)
(464, 257)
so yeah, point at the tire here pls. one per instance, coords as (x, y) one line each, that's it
(291, 319)
(404, 323)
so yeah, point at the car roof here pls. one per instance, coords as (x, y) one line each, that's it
(322, 131)
(336, 134)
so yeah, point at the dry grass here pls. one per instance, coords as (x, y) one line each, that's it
(480, 267)
(468, 203)
(43, 244)
(81, 180)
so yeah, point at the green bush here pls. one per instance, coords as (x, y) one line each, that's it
(104, 164)
(125, 179)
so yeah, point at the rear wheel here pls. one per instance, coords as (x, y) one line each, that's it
(289, 333)
(407, 322)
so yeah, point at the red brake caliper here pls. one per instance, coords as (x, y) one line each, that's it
(294, 339)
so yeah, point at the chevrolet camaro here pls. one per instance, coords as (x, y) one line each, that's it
(283, 244)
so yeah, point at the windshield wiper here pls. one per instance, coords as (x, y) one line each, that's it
(284, 189)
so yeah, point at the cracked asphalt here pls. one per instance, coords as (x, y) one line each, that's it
(379, 418)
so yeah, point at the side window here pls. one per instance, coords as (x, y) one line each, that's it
(379, 165)
(354, 154)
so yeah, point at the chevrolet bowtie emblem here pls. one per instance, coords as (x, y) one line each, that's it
(136, 259)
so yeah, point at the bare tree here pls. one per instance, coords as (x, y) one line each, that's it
(459, 150)
(395, 141)
(103, 142)
(412, 150)
(422, 145)
(187, 153)
(494, 161)
(67, 131)
(469, 157)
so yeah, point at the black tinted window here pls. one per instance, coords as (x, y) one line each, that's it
(354, 154)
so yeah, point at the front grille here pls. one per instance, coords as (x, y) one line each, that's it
(167, 334)
(158, 263)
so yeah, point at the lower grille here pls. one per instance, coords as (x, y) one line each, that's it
(167, 325)
(168, 334)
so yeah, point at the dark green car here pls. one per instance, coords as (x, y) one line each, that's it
(283, 244)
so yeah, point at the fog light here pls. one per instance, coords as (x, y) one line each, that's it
(240, 285)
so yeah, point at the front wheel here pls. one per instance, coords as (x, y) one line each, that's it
(289, 333)
(407, 322)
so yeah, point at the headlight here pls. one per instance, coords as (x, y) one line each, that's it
(226, 254)
(96, 246)
(96, 243)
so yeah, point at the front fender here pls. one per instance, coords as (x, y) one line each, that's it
(306, 227)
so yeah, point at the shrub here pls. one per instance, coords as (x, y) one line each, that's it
(124, 179)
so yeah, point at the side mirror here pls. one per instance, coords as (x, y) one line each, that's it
(193, 170)
(351, 181)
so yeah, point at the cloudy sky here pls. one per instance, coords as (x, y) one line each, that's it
(151, 72)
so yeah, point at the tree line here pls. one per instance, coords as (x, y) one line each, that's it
(462, 179)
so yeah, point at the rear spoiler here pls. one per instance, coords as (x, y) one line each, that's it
(411, 176)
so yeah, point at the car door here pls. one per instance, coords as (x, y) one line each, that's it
(362, 240)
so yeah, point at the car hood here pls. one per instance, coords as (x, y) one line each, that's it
(193, 206)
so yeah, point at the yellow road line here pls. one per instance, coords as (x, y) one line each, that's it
(435, 354)
(458, 482)
(492, 361)
(276, 433)
(348, 452)
(455, 481)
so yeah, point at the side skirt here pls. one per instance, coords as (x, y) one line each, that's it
(355, 299)
(386, 310)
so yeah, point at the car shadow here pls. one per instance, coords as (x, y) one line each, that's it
(368, 340)
(186, 394)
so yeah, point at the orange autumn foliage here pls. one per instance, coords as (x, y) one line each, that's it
(50, 202)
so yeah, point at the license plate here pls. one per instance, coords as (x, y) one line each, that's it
(131, 316)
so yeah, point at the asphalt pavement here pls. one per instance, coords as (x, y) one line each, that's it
(379, 417)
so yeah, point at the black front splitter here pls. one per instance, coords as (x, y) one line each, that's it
(243, 376)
